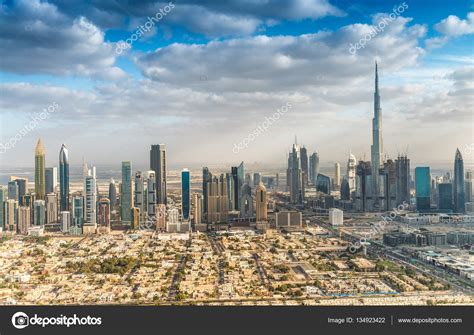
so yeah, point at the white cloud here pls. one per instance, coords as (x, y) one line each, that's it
(454, 26)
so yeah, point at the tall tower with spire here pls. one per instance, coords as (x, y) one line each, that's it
(64, 178)
(458, 183)
(377, 142)
(40, 178)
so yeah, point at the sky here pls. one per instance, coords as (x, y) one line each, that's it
(209, 78)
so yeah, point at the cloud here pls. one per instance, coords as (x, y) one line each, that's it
(454, 26)
(36, 38)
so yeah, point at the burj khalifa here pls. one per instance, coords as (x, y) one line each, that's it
(377, 142)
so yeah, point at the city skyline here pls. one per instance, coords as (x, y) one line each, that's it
(145, 95)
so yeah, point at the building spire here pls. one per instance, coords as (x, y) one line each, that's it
(376, 78)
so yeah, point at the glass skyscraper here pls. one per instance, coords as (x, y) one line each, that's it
(40, 184)
(64, 178)
(185, 194)
(423, 188)
(445, 196)
(158, 164)
(458, 183)
(126, 193)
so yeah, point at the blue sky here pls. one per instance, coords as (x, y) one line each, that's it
(208, 73)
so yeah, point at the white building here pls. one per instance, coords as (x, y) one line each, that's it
(65, 221)
(336, 217)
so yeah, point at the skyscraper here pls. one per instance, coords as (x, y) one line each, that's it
(64, 178)
(22, 188)
(51, 208)
(257, 178)
(402, 172)
(112, 194)
(294, 175)
(345, 190)
(337, 176)
(151, 193)
(351, 172)
(78, 211)
(468, 187)
(240, 178)
(206, 178)
(423, 188)
(313, 168)
(90, 191)
(3, 198)
(40, 183)
(246, 202)
(126, 193)
(185, 194)
(104, 213)
(363, 192)
(234, 189)
(11, 215)
(261, 203)
(377, 142)
(39, 213)
(158, 164)
(139, 194)
(445, 196)
(13, 192)
(304, 165)
(197, 213)
(24, 220)
(51, 179)
(458, 183)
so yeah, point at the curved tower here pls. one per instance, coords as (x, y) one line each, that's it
(40, 184)
(64, 178)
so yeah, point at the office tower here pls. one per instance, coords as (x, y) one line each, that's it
(112, 194)
(294, 176)
(40, 184)
(78, 211)
(51, 208)
(135, 214)
(230, 190)
(234, 188)
(261, 203)
(185, 194)
(139, 192)
(402, 167)
(160, 210)
(240, 180)
(206, 179)
(64, 178)
(13, 192)
(218, 200)
(11, 218)
(363, 201)
(39, 213)
(304, 165)
(246, 202)
(388, 188)
(423, 188)
(445, 196)
(28, 201)
(22, 184)
(3, 198)
(313, 168)
(345, 189)
(126, 193)
(377, 142)
(248, 179)
(468, 187)
(65, 221)
(257, 178)
(351, 172)
(151, 193)
(158, 164)
(337, 176)
(458, 183)
(90, 191)
(197, 213)
(51, 179)
(24, 220)
(104, 213)
(323, 184)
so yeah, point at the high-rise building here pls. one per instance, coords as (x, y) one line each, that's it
(64, 178)
(351, 172)
(158, 164)
(185, 194)
(246, 202)
(40, 183)
(24, 220)
(423, 188)
(197, 213)
(402, 172)
(377, 142)
(135, 214)
(345, 190)
(294, 176)
(261, 203)
(139, 194)
(11, 215)
(323, 184)
(364, 197)
(22, 184)
(151, 193)
(78, 211)
(104, 213)
(218, 200)
(313, 168)
(90, 191)
(388, 189)
(240, 179)
(445, 196)
(112, 194)
(160, 211)
(337, 176)
(206, 179)
(51, 208)
(257, 178)
(39, 210)
(13, 192)
(458, 183)
(3, 198)
(304, 165)
(65, 221)
(51, 179)
(468, 187)
(126, 199)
